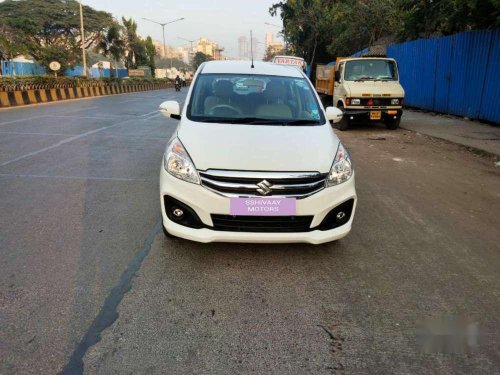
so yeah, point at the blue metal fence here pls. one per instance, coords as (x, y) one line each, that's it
(457, 74)
(18, 68)
(11, 68)
(94, 72)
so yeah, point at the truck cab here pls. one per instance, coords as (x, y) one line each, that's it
(368, 89)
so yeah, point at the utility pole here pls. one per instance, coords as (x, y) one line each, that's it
(84, 57)
(163, 24)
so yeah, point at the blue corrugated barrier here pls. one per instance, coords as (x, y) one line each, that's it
(457, 74)
(18, 68)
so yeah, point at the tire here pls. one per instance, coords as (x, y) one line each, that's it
(393, 124)
(344, 124)
(168, 235)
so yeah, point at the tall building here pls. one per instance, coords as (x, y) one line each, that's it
(209, 48)
(243, 48)
(269, 39)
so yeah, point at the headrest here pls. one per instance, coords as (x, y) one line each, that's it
(223, 88)
(275, 90)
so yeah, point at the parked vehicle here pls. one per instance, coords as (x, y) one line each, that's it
(365, 89)
(255, 165)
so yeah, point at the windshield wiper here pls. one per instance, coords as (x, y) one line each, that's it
(364, 79)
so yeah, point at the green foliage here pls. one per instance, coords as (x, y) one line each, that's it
(51, 82)
(321, 30)
(271, 53)
(199, 58)
(50, 29)
(425, 18)
(111, 45)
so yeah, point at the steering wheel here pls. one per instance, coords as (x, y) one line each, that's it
(224, 110)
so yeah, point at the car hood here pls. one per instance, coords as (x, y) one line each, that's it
(374, 88)
(259, 147)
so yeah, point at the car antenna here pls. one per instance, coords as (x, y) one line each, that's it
(251, 48)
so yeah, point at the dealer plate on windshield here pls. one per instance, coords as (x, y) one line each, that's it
(254, 206)
(375, 115)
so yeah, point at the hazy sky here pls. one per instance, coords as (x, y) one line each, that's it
(222, 21)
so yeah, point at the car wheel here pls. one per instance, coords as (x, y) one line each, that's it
(393, 124)
(344, 123)
(165, 232)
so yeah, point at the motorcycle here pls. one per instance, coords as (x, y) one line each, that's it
(177, 86)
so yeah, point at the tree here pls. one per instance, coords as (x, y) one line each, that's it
(48, 28)
(271, 52)
(150, 53)
(199, 58)
(112, 46)
(425, 18)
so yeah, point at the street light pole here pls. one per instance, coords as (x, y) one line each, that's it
(84, 57)
(163, 24)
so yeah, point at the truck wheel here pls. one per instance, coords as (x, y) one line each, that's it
(393, 124)
(344, 123)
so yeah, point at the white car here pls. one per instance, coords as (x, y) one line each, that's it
(255, 165)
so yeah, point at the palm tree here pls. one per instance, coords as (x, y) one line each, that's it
(112, 46)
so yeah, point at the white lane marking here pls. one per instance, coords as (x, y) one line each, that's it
(21, 120)
(75, 177)
(64, 141)
(105, 136)
(147, 114)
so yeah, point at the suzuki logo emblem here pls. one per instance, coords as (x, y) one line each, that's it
(264, 187)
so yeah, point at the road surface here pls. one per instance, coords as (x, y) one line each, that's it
(89, 283)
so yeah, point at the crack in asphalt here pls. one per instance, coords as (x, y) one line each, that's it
(108, 313)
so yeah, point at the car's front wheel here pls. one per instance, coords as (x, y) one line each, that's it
(344, 123)
(168, 235)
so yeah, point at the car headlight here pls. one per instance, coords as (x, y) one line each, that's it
(395, 101)
(341, 170)
(355, 101)
(177, 162)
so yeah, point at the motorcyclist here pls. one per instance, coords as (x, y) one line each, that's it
(178, 83)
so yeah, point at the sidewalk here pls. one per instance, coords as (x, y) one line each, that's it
(454, 129)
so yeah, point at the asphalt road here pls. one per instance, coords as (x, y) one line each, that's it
(83, 257)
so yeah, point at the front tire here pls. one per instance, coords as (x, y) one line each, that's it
(344, 124)
(393, 124)
(168, 235)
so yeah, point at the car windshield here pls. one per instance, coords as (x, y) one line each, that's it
(254, 100)
(370, 69)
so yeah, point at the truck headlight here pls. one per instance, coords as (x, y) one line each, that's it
(177, 162)
(341, 170)
(394, 101)
(355, 101)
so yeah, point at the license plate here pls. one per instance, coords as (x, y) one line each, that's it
(254, 206)
(375, 115)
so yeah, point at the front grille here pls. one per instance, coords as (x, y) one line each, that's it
(262, 224)
(379, 102)
(245, 183)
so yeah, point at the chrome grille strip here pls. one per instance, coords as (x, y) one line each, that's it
(245, 183)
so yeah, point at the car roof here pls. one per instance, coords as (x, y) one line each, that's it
(245, 67)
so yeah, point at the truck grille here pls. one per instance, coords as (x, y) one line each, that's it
(262, 224)
(265, 184)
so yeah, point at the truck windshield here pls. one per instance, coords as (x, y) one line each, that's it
(254, 100)
(370, 69)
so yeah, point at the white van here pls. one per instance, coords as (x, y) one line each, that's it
(255, 159)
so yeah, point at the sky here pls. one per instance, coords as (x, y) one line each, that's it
(222, 21)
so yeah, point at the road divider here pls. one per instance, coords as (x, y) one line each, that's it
(25, 97)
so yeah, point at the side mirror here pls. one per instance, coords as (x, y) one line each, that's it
(171, 109)
(337, 76)
(334, 114)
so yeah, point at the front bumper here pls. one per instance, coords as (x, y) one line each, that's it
(205, 202)
(363, 114)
